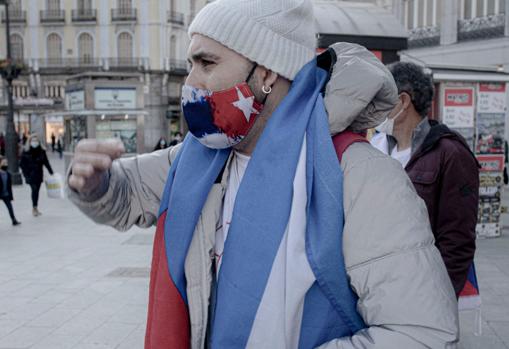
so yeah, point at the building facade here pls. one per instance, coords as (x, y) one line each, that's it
(103, 41)
(455, 32)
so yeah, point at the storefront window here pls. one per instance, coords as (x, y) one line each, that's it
(75, 130)
(124, 129)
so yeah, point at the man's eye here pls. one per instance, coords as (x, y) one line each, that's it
(205, 63)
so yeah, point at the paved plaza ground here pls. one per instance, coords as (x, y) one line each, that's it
(66, 282)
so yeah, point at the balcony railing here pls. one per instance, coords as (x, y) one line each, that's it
(84, 15)
(424, 36)
(175, 17)
(481, 27)
(69, 62)
(123, 14)
(124, 62)
(178, 66)
(15, 16)
(52, 16)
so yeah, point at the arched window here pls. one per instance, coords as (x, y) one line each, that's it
(173, 48)
(17, 47)
(85, 48)
(125, 47)
(54, 48)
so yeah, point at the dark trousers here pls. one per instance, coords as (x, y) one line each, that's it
(35, 193)
(9, 208)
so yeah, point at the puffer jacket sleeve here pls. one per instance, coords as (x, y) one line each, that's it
(405, 295)
(131, 192)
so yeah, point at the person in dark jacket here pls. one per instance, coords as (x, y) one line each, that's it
(161, 144)
(2, 144)
(6, 190)
(443, 169)
(32, 161)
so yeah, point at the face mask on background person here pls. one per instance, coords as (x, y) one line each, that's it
(34, 143)
(387, 126)
(220, 119)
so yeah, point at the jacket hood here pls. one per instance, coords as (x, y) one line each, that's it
(439, 131)
(361, 91)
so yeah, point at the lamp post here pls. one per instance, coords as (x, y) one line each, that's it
(10, 71)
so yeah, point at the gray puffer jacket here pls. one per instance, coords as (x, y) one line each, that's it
(405, 295)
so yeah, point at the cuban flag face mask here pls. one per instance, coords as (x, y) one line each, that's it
(220, 119)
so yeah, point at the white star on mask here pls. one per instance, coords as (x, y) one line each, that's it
(245, 105)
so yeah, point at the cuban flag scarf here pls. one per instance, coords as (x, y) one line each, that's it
(261, 215)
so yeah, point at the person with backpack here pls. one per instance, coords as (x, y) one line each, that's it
(277, 224)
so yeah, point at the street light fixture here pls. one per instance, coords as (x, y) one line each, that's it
(10, 70)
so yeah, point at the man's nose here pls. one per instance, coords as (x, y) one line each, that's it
(195, 80)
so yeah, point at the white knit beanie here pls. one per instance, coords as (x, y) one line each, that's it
(277, 34)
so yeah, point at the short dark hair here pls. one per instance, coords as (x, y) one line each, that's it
(412, 79)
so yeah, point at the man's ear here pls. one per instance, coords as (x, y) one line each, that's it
(268, 78)
(406, 100)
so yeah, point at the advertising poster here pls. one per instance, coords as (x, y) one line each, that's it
(468, 134)
(490, 190)
(490, 133)
(492, 98)
(459, 107)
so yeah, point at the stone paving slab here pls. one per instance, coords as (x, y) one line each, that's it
(66, 282)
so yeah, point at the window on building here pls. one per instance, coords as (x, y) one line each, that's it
(85, 48)
(15, 6)
(53, 5)
(125, 6)
(17, 47)
(480, 8)
(54, 48)
(421, 13)
(84, 5)
(125, 46)
(173, 47)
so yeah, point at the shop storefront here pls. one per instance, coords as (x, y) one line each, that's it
(104, 108)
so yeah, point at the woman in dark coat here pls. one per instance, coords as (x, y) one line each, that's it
(161, 144)
(32, 161)
(6, 190)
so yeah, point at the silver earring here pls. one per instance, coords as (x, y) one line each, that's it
(266, 91)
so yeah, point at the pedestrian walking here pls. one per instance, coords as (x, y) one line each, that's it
(33, 160)
(2, 144)
(441, 166)
(6, 190)
(278, 224)
(60, 148)
(161, 144)
(53, 142)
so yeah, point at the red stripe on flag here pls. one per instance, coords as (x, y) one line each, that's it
(469, 290)
(168, 317)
